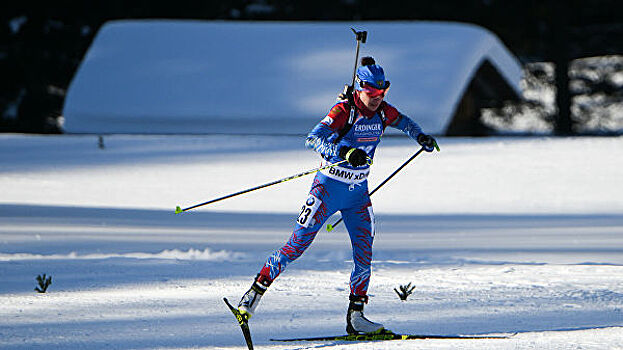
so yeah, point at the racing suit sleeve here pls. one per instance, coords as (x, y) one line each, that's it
(401, 122)
(409, 127)
(319, 139)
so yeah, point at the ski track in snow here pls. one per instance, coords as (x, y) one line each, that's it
(542, 258)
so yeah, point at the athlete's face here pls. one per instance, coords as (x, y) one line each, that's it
(371, 96)
(370, 100)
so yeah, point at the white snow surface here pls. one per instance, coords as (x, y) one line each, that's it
(172, 76)
(518, 236)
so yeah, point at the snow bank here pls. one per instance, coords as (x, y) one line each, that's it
(168, 254)
(163, 76)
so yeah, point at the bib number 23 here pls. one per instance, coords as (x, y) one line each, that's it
(308, 211)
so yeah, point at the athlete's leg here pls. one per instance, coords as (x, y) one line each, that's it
(359, 221)
(317, 208)
(321, 203)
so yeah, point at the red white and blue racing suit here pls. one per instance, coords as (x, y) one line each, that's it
(342, 188)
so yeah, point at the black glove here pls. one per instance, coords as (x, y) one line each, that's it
(354, 156)
(426, 141)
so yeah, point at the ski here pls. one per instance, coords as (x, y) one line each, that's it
(389, 335)
(243, 320)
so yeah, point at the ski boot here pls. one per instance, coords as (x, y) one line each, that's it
(251, 299)
(356, 323)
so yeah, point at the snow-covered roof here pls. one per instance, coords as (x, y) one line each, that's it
(172, 76)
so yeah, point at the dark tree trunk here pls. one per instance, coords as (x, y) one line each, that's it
(563, 124)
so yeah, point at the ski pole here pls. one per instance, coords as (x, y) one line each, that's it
(331, 227)
(178, 209)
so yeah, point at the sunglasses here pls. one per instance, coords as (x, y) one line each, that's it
(373, 92)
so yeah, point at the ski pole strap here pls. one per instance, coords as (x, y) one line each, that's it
(349, 153)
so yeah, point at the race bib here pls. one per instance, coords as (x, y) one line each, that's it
(306, 218)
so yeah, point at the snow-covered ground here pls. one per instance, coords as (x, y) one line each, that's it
(499, 235)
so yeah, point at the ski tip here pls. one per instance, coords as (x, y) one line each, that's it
(231, 307)
(437, 147)
(178, 210)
